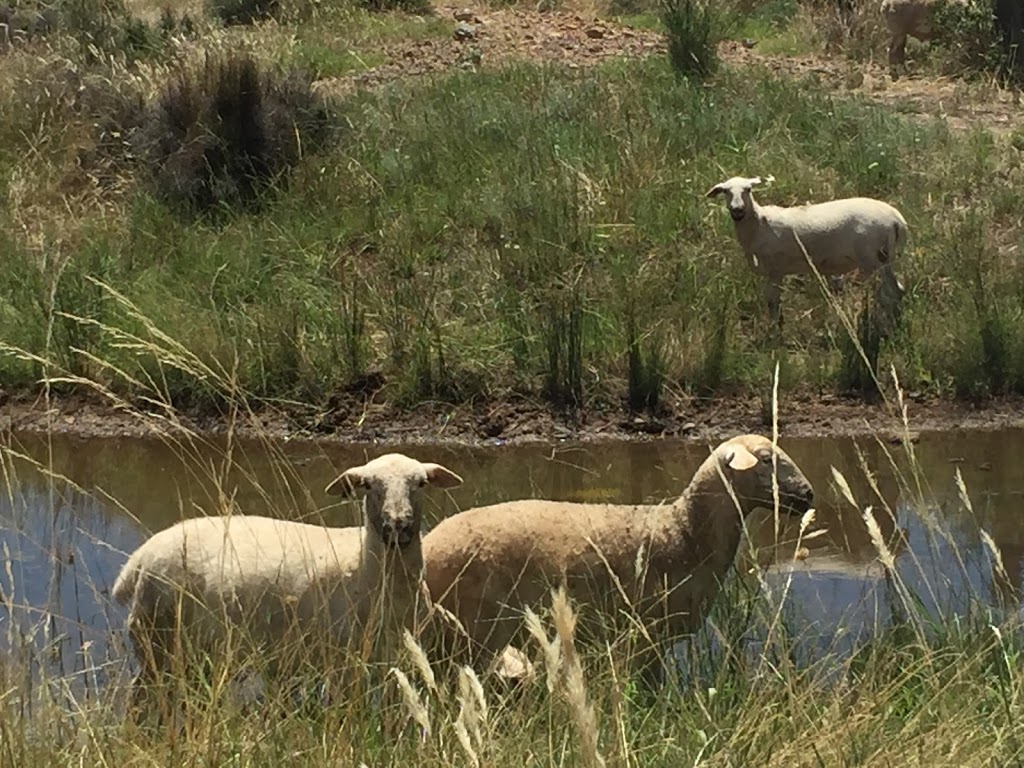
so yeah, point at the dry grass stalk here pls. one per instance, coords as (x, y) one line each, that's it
(575, 685)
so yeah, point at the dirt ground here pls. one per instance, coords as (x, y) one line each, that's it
(496, 35)
(359, 418)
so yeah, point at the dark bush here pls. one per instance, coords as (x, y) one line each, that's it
(968, 31)
(243, 11)
(221, 135)
(1010, 18)
(694, 29)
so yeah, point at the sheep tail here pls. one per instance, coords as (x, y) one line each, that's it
(127, 581)
(899, 237)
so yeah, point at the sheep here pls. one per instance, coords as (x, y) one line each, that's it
(484, 566)
(282, 583)
(909, 18)
(840, 236)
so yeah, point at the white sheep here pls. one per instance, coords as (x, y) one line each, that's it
(909, 18)
(292, 589)
(855, 234)
(484, 566)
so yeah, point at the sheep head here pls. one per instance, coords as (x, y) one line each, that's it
(392, 484)
(737, 195)
(746, 462)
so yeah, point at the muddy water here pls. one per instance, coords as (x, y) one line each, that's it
(71, 510)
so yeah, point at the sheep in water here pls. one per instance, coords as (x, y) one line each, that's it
(840, 236)
(666, 562)
(292, 589)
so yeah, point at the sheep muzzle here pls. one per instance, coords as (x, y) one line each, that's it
(737, 214)
(797, 502)
(397, 534)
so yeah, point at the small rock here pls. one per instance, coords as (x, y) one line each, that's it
(688, 427)
(464, 31)
(596, 33)
(466, 15)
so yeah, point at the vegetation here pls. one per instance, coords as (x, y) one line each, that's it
(694, 30)
(184, 224)
(763, 684)
(472, 235)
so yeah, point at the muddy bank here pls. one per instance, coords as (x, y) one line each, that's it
(357, 419)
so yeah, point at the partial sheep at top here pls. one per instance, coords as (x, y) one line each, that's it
(855, 234)
(662, 563)
(292, 589)
(908, 18)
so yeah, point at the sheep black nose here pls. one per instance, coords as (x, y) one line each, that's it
(736, 213)
(398, 534)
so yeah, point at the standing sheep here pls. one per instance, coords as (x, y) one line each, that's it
(293, 590)
(666, 562)
(909, 18)
(840, 236)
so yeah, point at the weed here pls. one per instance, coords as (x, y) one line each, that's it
(694, 29)
(222, 136)
(243, 11)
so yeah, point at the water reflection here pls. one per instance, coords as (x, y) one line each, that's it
(66, 531)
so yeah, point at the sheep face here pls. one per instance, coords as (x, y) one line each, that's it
(737, 195)
(392, 485)
(746, 462)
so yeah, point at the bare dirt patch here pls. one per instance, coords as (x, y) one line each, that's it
(963, 105)
(491, 37)
(360, 418)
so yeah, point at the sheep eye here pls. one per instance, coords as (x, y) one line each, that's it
(423, 482)
(767, 459)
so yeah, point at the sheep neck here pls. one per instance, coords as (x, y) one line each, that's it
(392, 568)
(747, 228)
(707, 517)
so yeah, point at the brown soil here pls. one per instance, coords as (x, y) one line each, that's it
(501, 35)
(579, 40)
(356, 417)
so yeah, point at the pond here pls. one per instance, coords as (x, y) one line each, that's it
(72, 509)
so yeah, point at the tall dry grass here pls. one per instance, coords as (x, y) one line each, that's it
(943, 683)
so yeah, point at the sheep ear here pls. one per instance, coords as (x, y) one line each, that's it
(715, 190)
(740, 459)
(755, 180)
(441, 476)
(346, 483)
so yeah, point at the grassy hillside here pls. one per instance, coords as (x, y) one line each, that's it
(520, 228)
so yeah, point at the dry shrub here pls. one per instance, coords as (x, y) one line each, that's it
(221, 135)
(856, 28)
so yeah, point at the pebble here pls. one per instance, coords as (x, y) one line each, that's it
(464, 31)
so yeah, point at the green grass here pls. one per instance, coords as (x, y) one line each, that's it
(492, 232)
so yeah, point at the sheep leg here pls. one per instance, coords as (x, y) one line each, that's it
(897, 55)
(836, 283)
(889, 297)
(151, 639)
(773, 298)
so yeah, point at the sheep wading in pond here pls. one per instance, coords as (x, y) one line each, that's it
(290, 592)
(663, 563)
(855, 234)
